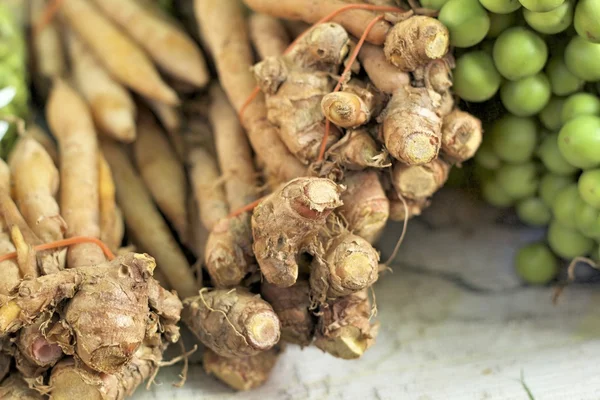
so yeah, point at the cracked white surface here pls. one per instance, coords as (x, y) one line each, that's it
(464, 330)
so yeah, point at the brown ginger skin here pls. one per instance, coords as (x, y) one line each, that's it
(15, 388)
(412, 127)
(229, 256)
(70, 380)
(366, 208)
(292, 307)
(106, 313)
(232, 323)
(461, 135)
(344, 329)
(241, 373)
(286, 223)
(354, 106)
(347, 264)
(294, 85)
(355, 151)
(420, 181)
(415, 41)
(437, 77)
(385, 76)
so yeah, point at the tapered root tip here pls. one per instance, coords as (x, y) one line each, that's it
(263, 330)
(121, 125)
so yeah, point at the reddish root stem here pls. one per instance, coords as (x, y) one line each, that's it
(326, 18)
(48, 15)
(66, 242)
(248, 207)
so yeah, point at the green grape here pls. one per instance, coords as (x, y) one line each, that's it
(527, 96)
(579, 104)
(535, 264)
(483, 174)
(589, 187)
(519, 52)
(494, 194)
(587, 219)
(519, 180)
(550, 22)
(533, 211)
(467, 21)
(500, 22)
(486, 157)
(587, 20)
(551, 185)
(501, 6)
(514, 138)
(568, 242)
(475, 77)
(582, 59)
(433, 4)
(550, 115)
(551, 157)
(579, 141)
(541, 5)
(565, 204)
(563, 82)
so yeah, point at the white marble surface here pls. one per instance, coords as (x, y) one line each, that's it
(456, 324)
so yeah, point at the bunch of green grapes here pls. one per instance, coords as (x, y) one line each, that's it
(13, 83)
(541, 58)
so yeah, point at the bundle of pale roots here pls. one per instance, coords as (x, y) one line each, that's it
(277, 179)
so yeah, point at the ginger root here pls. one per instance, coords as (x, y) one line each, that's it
(15, 387)
(70, 380)
(232, 323)
(420, 181)
(294, 85)
(366, 208)
(461, 135)
(35, 353)
(354, 106)
(412, 128)
(344, 329)
(385, 76)
(415, 41)
(292, 307)
(346, 264)
(241, 373)
(229, 257)
(106, 314)
(286, 223)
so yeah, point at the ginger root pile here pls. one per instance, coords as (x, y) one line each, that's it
(274, 180)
